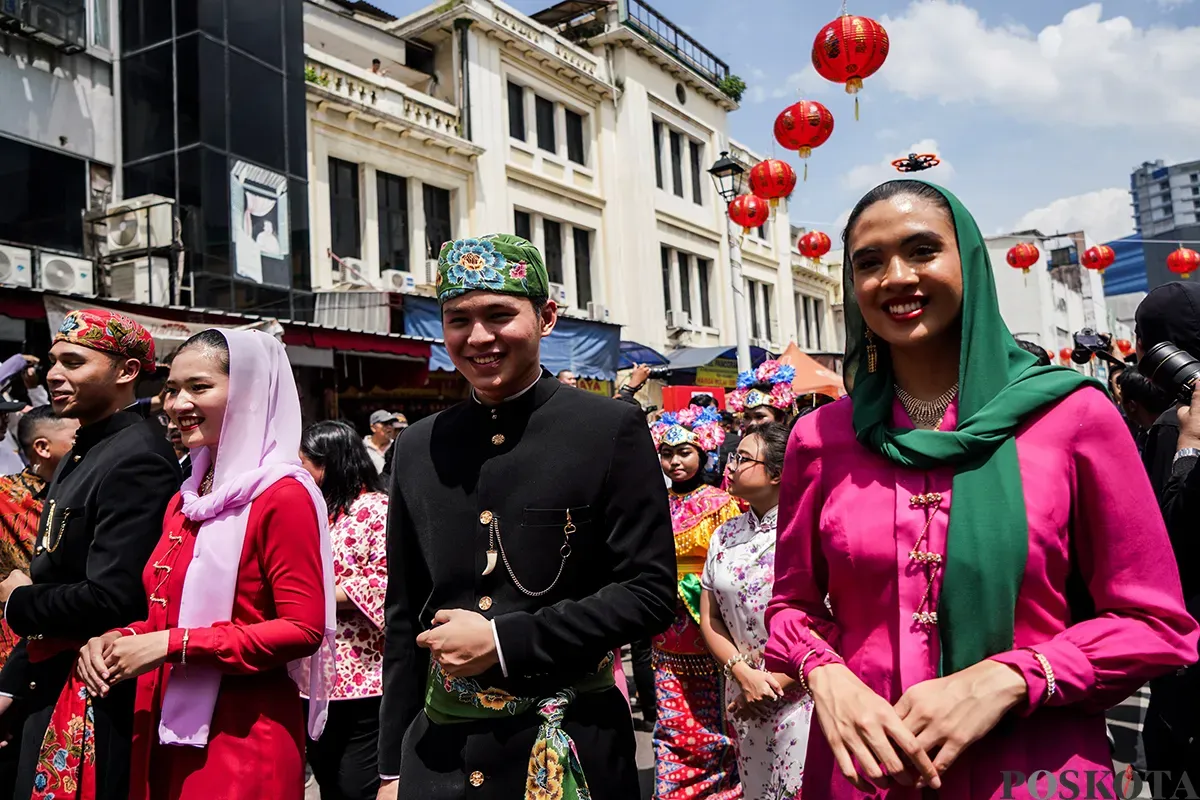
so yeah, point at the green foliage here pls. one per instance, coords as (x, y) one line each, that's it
(733, 86)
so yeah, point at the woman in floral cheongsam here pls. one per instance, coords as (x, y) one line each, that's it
(344, 759)
(770, 714)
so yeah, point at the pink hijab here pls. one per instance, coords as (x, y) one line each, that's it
(260, 445)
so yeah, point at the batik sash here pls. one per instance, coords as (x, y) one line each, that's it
(66, 766)
(555, 772)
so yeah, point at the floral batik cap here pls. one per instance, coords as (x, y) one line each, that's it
(499, 262)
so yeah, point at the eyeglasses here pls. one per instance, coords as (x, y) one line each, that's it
(736, 460)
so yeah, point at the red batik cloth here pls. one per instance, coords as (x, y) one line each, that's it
(66, 768)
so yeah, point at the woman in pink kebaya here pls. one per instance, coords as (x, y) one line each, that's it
(997, 571)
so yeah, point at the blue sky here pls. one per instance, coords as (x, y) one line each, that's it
(1039, 108)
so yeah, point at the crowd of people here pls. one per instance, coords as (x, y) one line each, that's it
(940, 580)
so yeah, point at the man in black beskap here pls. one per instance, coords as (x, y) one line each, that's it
(101, 520)
(1171, 313)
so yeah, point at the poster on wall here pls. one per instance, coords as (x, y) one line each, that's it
(261, 229)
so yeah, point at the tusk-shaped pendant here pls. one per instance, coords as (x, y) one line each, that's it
(491, 562)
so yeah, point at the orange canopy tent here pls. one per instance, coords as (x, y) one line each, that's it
(811, 377)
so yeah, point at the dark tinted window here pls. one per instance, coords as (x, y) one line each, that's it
(657, 130)
(697, 152)
(516, 111)
(297, 128)
(301, 270)
(554, 249)
(752, 291)
(575, 149)
(44, 195)
(143, 23)
(256, 26)
(156, 176)
(704, 265)
(685, 282)
(256, 106)
(204, 15)
(766, 311)
(201, 91)
(666, 277)
(393, 221)
(545, 125)
(677, 163)
(583, 267)
(343, 209)
(147, 103)
(523, 225)
(438, 229)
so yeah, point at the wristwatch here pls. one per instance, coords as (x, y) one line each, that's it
(1186, 452)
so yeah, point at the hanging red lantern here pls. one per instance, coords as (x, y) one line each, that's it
(749, 211)
(849, 50)
(803, 126)
(1099, 258)
(1065, 355)
(813, 245)
(1183, 262)
(1125, 346)
(772, 179)
(1022, 256)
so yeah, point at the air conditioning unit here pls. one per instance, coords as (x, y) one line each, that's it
(677, 320)
(141, 280)
(355, 271)
(597, 312)
(431, 270)
(12, 15)
(51, 25)
(140, 223)
(397, 280)
(558, 293)
(67, 274)
(16, 266)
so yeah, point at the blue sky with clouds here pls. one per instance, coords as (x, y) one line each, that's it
(1039, 108)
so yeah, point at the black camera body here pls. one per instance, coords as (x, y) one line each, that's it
(660, 372)
(1171, 369)
(1089, 343)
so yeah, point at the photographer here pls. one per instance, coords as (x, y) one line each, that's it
(1171, 313)
(637, 379)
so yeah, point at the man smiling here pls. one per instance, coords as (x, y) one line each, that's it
(532, 537)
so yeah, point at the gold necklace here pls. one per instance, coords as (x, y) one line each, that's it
(927, 414)
(207, 484)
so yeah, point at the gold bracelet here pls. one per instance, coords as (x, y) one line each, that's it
(1047, 670)
(183, 651)
(800, 673)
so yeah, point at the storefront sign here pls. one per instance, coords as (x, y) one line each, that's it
(721, 372)
(595, 386)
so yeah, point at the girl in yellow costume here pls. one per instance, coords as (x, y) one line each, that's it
(694, 754)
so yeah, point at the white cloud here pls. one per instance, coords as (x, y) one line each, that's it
(867, 176)
(801, 85)
(1086, 70)
(1173, 3)
(1103, 215)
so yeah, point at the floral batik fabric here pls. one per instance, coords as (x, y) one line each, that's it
(66, 768)
(359, 540)
(21, 498)
(740, 573)
(498, 263)
(555, 772)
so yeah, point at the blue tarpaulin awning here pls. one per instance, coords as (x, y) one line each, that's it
(693, 357)
(589, 349)
(633, 353)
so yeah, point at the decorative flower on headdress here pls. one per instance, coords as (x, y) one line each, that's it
(769, 385)
(692, 425)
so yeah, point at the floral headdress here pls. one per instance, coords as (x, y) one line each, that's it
(769, 385)
(693, 425)
(497, 263)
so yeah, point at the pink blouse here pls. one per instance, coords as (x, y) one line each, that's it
(847, 525)
(360, 568)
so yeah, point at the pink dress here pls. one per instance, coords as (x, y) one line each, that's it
(847, 525)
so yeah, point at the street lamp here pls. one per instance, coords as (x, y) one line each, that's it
(727, 177)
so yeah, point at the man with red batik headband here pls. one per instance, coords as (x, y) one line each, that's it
(102, 518)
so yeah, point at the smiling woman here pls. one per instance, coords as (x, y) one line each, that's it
(957, 482)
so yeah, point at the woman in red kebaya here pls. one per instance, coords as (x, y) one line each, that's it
(240, 591)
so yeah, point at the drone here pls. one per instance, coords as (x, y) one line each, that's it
(916, 163)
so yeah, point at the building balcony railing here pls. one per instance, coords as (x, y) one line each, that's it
(376, 98)
(643, 18)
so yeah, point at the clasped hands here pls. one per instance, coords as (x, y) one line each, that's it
(931, 724)
(114, 657)
(460, 642)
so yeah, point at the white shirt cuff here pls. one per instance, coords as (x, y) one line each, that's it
(389, 777)
(499, 652)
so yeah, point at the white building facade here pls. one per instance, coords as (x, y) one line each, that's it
(585, 134)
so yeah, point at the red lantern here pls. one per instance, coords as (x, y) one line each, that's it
(749, 211)
(1065, 355)
(1023, 256)
(1099, 258)
(1125, 346)
(1183, 261)
(813, 245)
(849, 50)
(803, 126)
(772, 179)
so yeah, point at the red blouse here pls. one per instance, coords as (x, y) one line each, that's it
(256, 740)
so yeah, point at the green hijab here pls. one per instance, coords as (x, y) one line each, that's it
(1000, 385)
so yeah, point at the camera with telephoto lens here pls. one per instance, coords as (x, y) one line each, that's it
(1089, 343)
(1171, 369)
(660, 372)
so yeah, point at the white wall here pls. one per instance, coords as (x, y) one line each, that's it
(45, 95)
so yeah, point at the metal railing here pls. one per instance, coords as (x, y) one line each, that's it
(642, 17)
